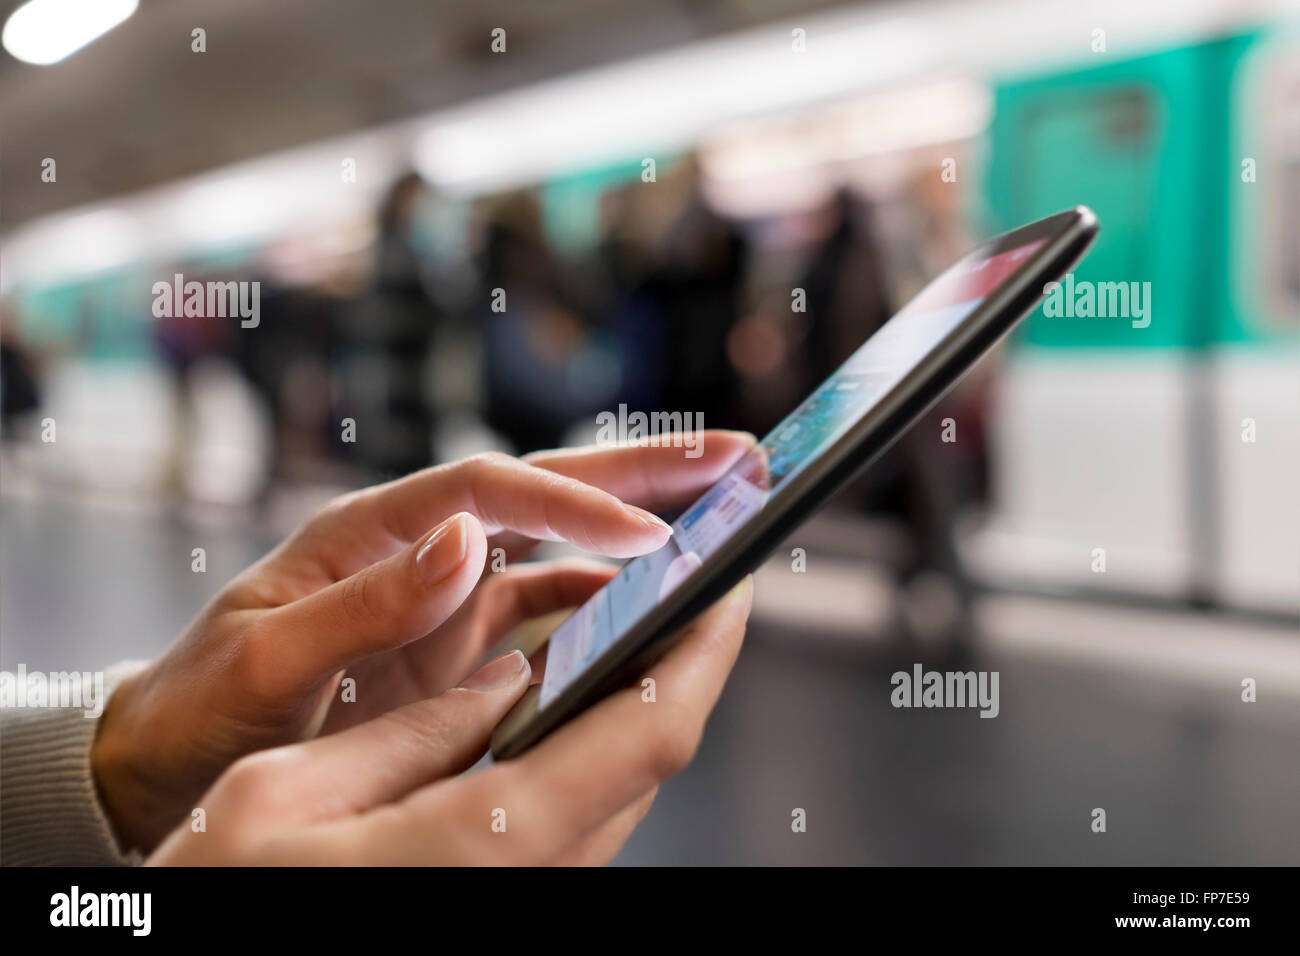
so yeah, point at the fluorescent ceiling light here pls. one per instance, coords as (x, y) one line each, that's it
(663, 101)
(47, 31)
(72, 245)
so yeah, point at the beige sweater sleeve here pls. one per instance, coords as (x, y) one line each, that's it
(50, 812)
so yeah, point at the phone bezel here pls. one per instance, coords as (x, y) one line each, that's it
(1068, 236)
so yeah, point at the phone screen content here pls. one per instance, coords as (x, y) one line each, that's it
(870, 373)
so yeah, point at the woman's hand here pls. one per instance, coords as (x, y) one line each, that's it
(379, 793)
(375, 588)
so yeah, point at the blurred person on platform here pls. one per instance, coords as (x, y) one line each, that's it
(534, 335)
(918, 481)
(384, 343)
(623, 302)
(932, 236)
(697, 286)
(20, 393)
(184, 339)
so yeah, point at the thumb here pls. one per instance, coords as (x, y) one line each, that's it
(383, 606)
(388, 757)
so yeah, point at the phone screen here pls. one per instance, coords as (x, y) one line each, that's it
(830, 411)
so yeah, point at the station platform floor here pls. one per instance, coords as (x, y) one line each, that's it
(1134, 710)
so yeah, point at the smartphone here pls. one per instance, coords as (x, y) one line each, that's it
(835, 433)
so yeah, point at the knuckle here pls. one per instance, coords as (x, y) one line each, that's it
(251, 780)
(251, 666)
(423, 726)
(339, 513)
(486, 463)
(359, 596)
(339, 506)
(673, 743)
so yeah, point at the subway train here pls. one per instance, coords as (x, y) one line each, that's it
(1166, 445)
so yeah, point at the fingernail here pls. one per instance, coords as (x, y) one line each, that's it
(649, 520)
(444, 550)
(494, 675)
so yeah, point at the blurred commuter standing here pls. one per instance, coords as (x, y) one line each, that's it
(385, 342)
(698, 290)
(20, 394)
(534, 336)
(915, 481)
